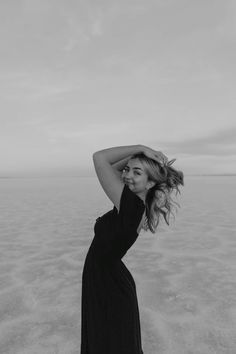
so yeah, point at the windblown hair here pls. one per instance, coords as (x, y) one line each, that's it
(158, 199)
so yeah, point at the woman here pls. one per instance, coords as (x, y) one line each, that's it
(138, 181)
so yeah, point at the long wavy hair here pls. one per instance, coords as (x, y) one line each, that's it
(159, 200)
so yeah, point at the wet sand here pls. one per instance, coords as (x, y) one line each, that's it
(187, 294)
(185, 277)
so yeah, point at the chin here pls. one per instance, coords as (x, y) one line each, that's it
(130, 186)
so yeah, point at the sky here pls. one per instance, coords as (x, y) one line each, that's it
(81, 76)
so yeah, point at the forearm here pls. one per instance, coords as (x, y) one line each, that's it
(115, 154)
(120, 165)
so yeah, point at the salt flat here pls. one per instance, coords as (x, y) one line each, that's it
(185, 274)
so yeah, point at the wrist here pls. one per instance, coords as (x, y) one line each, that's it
(141, 147)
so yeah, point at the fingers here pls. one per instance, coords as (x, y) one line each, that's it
(156, 155)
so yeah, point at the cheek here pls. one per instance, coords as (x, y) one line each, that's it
(141, 181)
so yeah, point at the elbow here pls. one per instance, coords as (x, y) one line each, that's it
(96, 154)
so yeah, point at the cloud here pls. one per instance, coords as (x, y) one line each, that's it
(89, 132)
(96, 74)
(76, 34)
(221, 143)
(25, 86)
(82, 26)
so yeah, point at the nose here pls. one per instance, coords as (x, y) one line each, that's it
(128, 177)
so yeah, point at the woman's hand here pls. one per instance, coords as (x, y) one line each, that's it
(155, 155)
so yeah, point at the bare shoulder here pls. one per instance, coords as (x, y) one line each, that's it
(109, 179)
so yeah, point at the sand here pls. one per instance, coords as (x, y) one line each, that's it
(185, 278)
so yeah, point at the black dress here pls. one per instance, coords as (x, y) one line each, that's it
(110, 322)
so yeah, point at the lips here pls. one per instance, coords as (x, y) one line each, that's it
(128, 183)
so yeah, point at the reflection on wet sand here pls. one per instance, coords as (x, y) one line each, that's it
(185, 274)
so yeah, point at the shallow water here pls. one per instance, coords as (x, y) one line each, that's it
(185, 274)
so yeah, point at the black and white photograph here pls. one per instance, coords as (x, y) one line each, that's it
(117, 177)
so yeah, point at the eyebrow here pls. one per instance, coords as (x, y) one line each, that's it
(135, 168)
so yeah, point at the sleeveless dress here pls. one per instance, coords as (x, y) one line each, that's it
(110, 322)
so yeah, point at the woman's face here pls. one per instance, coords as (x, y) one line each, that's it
(135, 177)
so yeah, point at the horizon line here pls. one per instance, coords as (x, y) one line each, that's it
(92, 176)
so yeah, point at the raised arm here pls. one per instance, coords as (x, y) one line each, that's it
(107, 163)
(120, 165)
